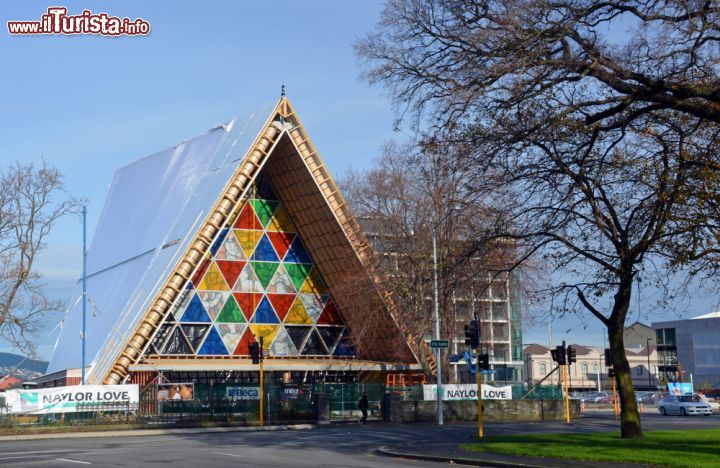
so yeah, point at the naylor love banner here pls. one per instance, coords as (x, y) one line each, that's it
(71, 399)
(467, 392)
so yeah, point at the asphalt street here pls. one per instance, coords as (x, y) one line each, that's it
(347, 445)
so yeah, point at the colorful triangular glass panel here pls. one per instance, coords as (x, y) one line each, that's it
(230, 270)
(314, 345)
(231, 313)
(298, 272)
(213, 345)
(330, 336)
(298, 315)
(344, 346)
(248, 302)
(314, 283)
(330, 315)
(177, 343)
(265, 271)
(281, 282)
(264, 209)
(298, 335)
(313, 305)
(281, 221)
(230, 333)
(297, 253)
(218, 241)
(265, 313)
(243, 347)
(247, 219)
(283, 345)
(281, 241)
(248, 240)
(200, 272)
(159, 340)
(281, 303)
(230, 250)
(213, 301)
(248, 281)
(264, 251)
(183, 302)
(195, 312)
(267, 332)
(213, 280)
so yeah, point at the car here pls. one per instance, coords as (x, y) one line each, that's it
(687, 405)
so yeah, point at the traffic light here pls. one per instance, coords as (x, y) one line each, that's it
(608, 358)
(472, 334)
(484, 361)
(611, 373)
(255, 352)
(571, 355)
(558, 355)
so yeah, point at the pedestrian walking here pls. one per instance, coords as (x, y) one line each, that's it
(363, 406)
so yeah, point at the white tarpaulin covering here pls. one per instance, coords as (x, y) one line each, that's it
(72, 399)
(467, 392)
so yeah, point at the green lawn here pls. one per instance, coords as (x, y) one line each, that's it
(690, 448)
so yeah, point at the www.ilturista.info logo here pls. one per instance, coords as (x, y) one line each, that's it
(57, 21)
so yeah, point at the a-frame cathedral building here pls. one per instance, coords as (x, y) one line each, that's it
(234, 235)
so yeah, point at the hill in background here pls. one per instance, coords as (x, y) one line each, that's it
(20, 365)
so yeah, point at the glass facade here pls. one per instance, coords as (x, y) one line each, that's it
(667, 354)
(257, 281)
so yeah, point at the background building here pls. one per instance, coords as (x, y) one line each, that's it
(689, 350)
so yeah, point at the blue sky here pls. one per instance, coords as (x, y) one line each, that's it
(91, 104)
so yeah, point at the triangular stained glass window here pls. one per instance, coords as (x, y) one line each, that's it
(218, 241)
(213, 280)
(248, 302)
(313, 305)
(247, 219)
(298, 335)
(183, 301)
(281, 241)
(281, 303)
(248, 240)
(230, 270)
(267, 332)
(243, 347)
(177, 343)
(297, 253)
(213, 344)
(195, 312)
(281, 282)
(297, 314)
(231, 312)
(230, 250)
(264, 251)
(344, 346)
(330, 336)
(230, 333)
(314, 283)
(281, 221)
(159, 340)
(298, 272)
(314, 345)
(283, 345)
(264, 209)
(248, 281)
(265, 271)
(265, 313)
(194, 334)
(213, 301)
(330, 315)
(200, 272)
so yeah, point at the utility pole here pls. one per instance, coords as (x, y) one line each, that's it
(84, 291)
(437, 334)
(649, 372)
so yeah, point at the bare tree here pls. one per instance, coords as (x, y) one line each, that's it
(32, 199)
(595, 117)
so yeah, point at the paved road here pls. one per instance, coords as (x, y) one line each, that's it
(348, 445)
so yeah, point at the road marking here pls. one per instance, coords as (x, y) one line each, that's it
(74, 461)
(37, 451)
(229, 454)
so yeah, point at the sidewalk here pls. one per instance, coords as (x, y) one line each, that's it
(449, 453)
(153, 432)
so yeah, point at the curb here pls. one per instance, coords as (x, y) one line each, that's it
(153, 432)
(384, 451)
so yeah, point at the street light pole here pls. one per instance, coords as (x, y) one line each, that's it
(84, 291)
(438, 364)
(648, 356)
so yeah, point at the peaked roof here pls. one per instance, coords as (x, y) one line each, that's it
(163, 213)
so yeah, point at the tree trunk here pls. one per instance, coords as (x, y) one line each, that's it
(630, 427)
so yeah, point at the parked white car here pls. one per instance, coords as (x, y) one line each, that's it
(713, 404)
(689, 405)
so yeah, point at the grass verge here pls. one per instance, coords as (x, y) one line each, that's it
(688, 448)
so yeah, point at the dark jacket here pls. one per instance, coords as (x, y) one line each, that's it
(363, 403)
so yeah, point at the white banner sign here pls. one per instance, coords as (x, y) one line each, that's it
(242, 393)
(467, 392)
(70, 399)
